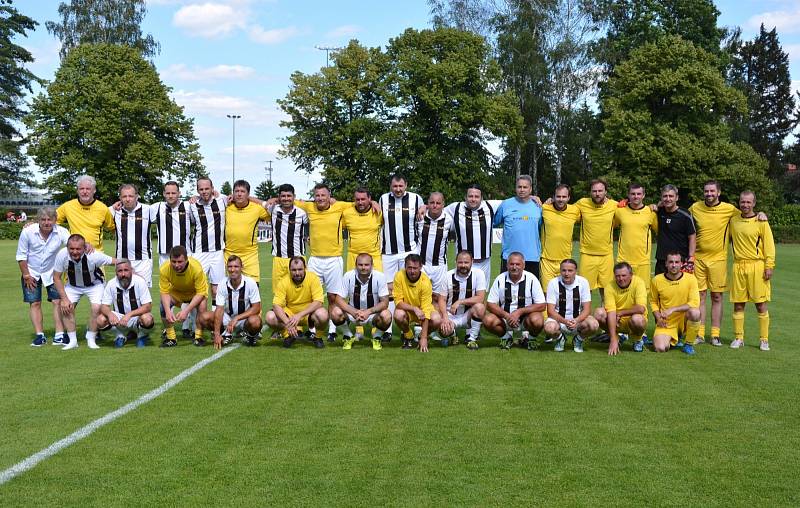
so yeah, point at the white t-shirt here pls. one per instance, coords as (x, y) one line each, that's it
(512, 295)
(567, 297)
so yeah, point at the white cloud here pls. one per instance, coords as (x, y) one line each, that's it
(217, 72)
(786, 21)
(344, 31)
(254, 149)
(272, 36)
(210, 20)
(216, 105)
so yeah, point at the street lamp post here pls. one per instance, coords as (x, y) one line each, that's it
(233, 149)
(269, 169)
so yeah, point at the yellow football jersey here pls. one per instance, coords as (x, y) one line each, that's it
(188, 283)
(364, 230)
(325, 227)
(86, 220)
(296, 297)
(712, 224)
(241, 228)
(635, 240)
(665, 293)
(419, 294)
(597, 223)
(617, 298)
(557, 229)
(752, 240)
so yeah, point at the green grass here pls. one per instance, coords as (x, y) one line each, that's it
(268, 426)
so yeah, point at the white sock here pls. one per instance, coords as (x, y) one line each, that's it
(474, 328)
(73, 340)
(90, 339)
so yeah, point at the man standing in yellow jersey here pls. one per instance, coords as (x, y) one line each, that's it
(674, 300)
(413, 296)
(753, 263)
(625, 308)
(182, 280)
(558, 224)
(597, 245)
(241, 229)
(85, 215)
(363, 225)
(636, 221)
(297, 302)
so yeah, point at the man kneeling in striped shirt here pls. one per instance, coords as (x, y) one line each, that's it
(126, 306)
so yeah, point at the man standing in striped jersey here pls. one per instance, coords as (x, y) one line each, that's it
(238, 307)
(132, 221)
(432, 231)
(84, 278)
(126, 306)
(399, 208)
(464, 308)
(365, 299)
(289, 233)
(521, 217)
(174, 220)
(472, 225)
(515, 303)
(569, 308)
(209, 237)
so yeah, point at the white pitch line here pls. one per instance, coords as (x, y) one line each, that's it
(86, 430)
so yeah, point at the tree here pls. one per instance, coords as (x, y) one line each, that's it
(760, 69)
(15, 82)
(666, 108)
(266, 190)
(108, 114)
(102, 22)
(226, 189)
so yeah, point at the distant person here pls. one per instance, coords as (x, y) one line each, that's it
(289, 232)
(241, 229)
(558, 224)
(413, 295)
(521, 218)
(597, 242)
(676, 233)
(472, 225)
(132, 226)
(363, 224)
(464, 306)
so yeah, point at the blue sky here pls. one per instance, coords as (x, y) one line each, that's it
(236, 56)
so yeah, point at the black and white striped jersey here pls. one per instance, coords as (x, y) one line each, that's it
(209, 225)
(432, 234)
(289, 231)
(174, 225)
(461, 288)
(512, 295)
(237, 299)
(126, 300)
(568, 298)
(399, 219)
(473, 228)
(85, 272)
(363, 295)
(133, 232)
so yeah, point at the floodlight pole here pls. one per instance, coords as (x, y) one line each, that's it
(233, 149)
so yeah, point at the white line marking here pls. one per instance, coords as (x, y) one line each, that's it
(86, 430)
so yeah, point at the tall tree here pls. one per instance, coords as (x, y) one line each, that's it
(15, 82)
(760, 69)
(266, 190)
(666, 109)
(108, 114)
(103, 21)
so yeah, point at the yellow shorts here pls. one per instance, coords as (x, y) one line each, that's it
(280, 269)
(377, 263)
(548, 270)
(598, 270)
(644, 272)
(250, 266)
(711, 275)
(748, 284)
(676, 323)
(672, 332)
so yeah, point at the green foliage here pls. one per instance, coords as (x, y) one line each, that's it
(226, 189)
(15, 82)
(266, 190)
(10, 230)
(665, 113)
(102, 22)
(108, 114)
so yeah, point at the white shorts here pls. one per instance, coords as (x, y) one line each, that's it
(94, 293)
(329, 269)
(393, 263)
(352, 321)
(438, 276)
(144, 269)
(239, 324)
(213, 264)
(460, 320)
(564, 329)
(484, 265)
(133, 324)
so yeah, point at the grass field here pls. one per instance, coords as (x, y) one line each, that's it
(269, 426)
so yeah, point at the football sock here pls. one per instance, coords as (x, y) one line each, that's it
(198, 333)
(701, 330)
(474, 327)
(692, 328)
(763, 326)
(170, 332)
(738, 325)
(715, 331)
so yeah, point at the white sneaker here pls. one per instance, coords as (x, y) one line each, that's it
(737, 343)
(716, 342)
(764, 345)
(577, 344)
(92, 344)
(70, 345)
(560, 342)
(699, 340)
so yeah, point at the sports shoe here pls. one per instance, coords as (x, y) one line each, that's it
(59, 340)
(680, 343)
(505, 343)
(716, 342)
(199, 342)
(638, 346)
(471, 344)
(577, 344)
(764, 345)
(445, 341)
(386, 337)
(142, 341)
(407, 344)
(318, 343)
(187, 334)
(250, 340)
(647, 340)
(120, 341)
(226, 339)
(688, 349)
(39, 341)
(169, 343)
(699, 340)
(622, 337)
(737, 343)
(331, 337)
(560, 342)
(376, 344)
(308, 335)
(288, 341)
(347, 342)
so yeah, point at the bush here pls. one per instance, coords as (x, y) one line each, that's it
(787, 215)
(10, 230)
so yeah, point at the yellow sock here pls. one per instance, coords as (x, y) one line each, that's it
(170, 332)
(692, 328)
(763, 326)
(715, 331)
(701, 330)
(319, 332)
(738, 325)
(408, 335)
(198, 333)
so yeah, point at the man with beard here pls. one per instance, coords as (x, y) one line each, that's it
(463, 307)
(625, 308)
(298, 302)
(289, 233)
(241, 229)
(363, 224)
(126, 306)
(413, 295)
(597, 241)
(674, 300)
